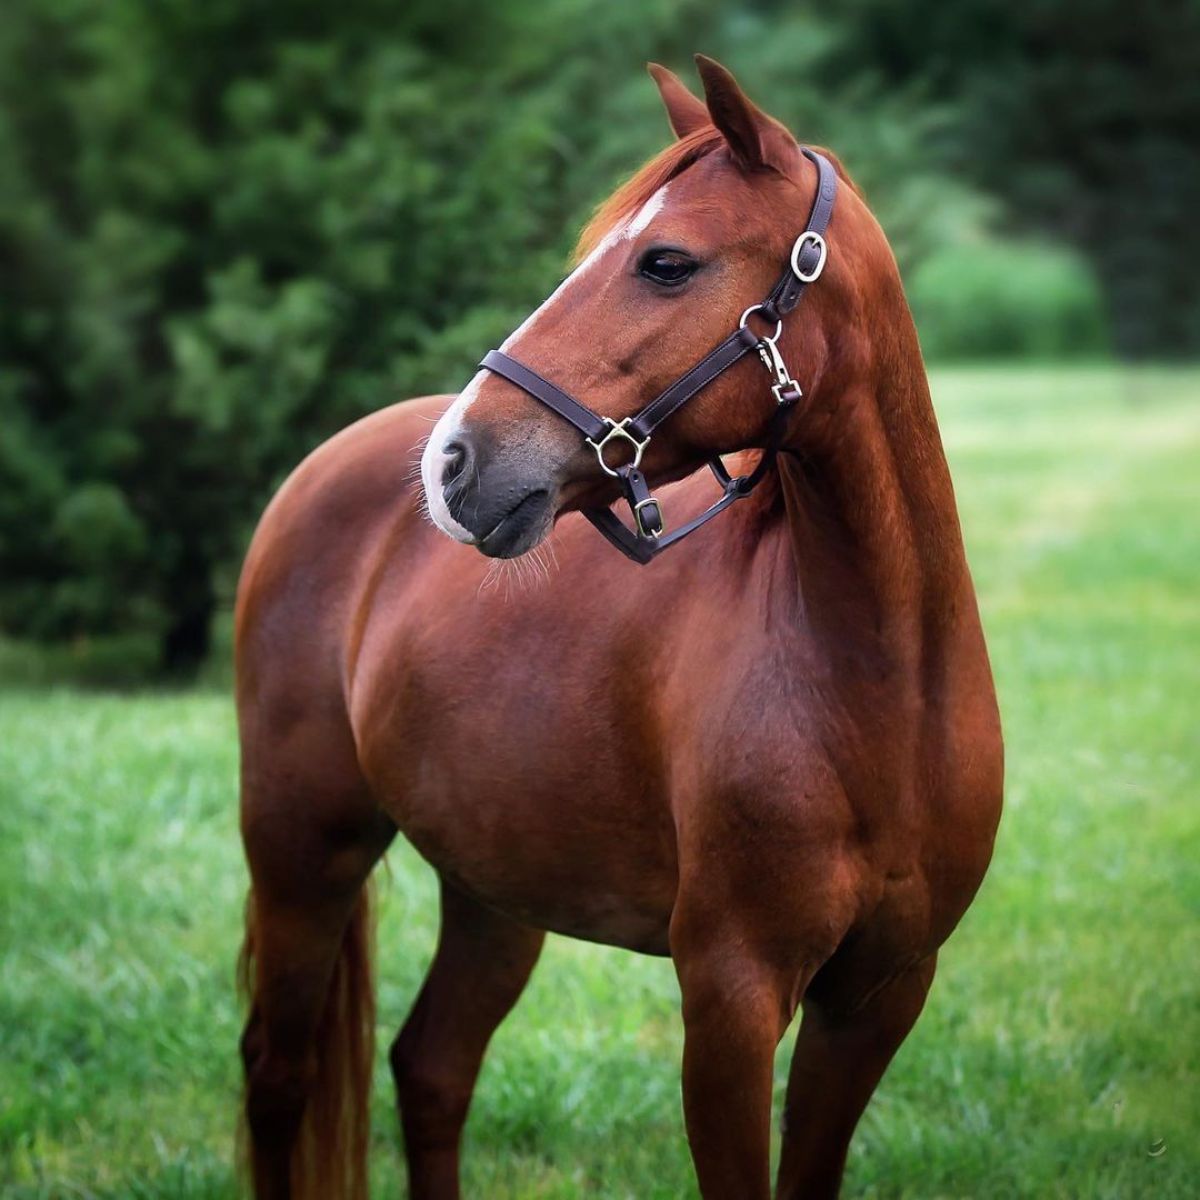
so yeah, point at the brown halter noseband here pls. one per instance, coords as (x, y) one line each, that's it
(647, 539)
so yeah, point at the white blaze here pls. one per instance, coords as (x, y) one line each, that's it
(434, 458)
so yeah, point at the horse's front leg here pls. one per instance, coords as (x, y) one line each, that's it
(841, 1054)
(746, 942)
(735, 1010)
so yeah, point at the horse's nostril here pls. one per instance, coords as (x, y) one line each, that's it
(456, 462)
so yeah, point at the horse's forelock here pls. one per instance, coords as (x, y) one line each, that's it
(638, 189)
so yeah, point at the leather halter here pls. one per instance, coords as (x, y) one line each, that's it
(648, 539)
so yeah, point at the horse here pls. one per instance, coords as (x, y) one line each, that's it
(772, 753)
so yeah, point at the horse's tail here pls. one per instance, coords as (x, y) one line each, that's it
(329, 1161)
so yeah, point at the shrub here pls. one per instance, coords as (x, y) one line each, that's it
(997, 299)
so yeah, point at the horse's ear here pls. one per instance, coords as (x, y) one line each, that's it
(747, 129)
(685, 111)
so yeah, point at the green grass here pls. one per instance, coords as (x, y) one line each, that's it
(1059, 1046)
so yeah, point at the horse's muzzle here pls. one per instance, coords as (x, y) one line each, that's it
(501, 506)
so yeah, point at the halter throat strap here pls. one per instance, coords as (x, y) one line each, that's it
(647, 539)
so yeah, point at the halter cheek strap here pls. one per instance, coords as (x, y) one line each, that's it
(647, 539)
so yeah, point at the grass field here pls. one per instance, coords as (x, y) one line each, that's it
(1059, 1055)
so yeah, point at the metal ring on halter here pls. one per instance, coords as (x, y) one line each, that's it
(618, 431)
(809, 237)
(758, 308)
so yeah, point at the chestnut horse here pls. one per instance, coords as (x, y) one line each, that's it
(773, 753)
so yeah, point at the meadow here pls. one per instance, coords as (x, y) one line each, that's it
(1058, 1055)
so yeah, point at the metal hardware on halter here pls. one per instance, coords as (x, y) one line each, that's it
(759, 308)
(785, 389)
(809, 237)
(618, 431)
(643, 506)
(643, 529)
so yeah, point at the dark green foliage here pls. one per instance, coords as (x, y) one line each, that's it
(228, 229)
(1082, 114)
(1006, 300)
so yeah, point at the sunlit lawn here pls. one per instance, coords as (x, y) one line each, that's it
(1060, 1052)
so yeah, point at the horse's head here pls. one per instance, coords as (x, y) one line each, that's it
(668, 265)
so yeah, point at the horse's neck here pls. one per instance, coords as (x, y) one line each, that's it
(869, 516)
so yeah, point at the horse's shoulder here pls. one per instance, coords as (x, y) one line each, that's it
(334, 503)
(380, 440)
(378, 453)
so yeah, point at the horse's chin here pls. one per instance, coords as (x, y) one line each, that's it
(520, 529)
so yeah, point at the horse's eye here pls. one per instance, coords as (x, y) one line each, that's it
(667, 267)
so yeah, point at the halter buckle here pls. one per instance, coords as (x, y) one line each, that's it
(643, 529)
(809, 237)
(618, 431)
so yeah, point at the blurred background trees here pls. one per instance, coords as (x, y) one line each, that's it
(228, 229)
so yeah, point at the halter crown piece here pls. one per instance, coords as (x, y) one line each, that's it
(648, 538)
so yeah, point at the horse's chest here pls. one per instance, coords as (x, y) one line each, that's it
(549, 776)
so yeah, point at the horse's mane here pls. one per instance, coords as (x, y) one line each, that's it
(662, 168)
(635, 191)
